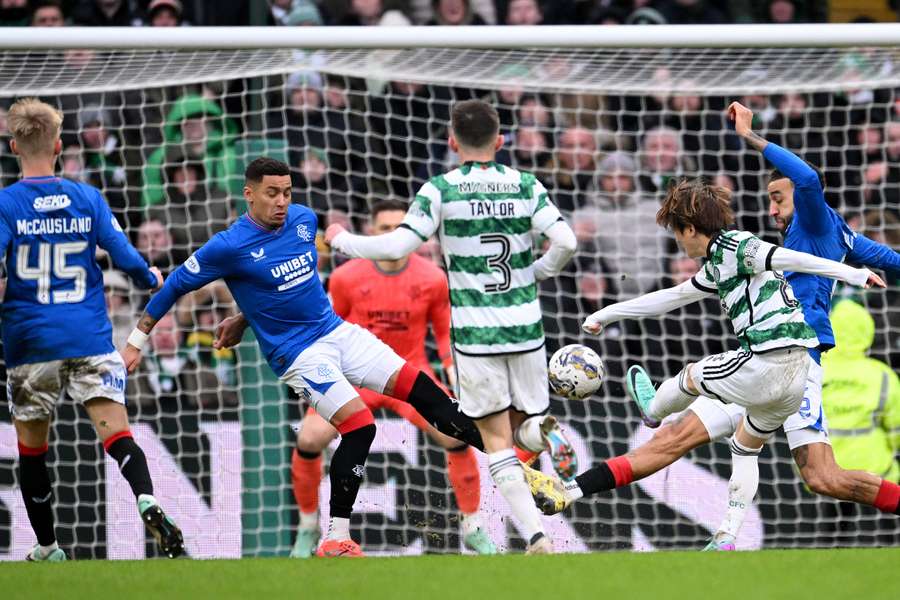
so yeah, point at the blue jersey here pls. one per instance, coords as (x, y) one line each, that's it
(273, 278)
(818, 230)
(54, 306)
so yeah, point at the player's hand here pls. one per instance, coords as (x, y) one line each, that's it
(592, 325)
(132, 357)
(229, 332)
(333, 231)
(742, 117)
(159, 278)
(875, 281)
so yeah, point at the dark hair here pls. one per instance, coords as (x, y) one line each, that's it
(696, 202)
(386, 205)
(775, 175)
(36, 6)
(263, 166)
(475, 123)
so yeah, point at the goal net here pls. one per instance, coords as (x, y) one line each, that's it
(166, 133)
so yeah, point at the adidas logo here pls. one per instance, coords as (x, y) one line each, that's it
(258, 254)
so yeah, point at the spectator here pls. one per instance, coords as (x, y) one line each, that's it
(155, 244)
(9, 164)
(689, 12)
(194, 211)
(104, 160)
(531, 151)
(798, 126)
(782, 11)
(303, 13)
(523, 12)
(455, 12)
(118, 304)
(662, 158)
(73, 167)
(200, 129)
(573, 168)
(164, 13)
(620, 225)
(47, 13)
(14, 13)
(363, 12)
(105, 13)
(862, 396)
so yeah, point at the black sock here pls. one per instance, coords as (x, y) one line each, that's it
(598, 479)
(34, 481)
(347, 469)
(132, 464)
(442, 412)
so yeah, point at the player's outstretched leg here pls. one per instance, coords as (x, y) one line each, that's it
(543, 432)
(355, 423)
(672, 396)
(306, 475)
(34, 483)
(111, 422)
(412, 385)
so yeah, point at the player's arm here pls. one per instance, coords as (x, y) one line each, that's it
(872, 254)
(652, 304)
(810, 209)
(546, 220)
(201, 268)
(420, 223)
(439, 316)
(755, 256)
(111, 238)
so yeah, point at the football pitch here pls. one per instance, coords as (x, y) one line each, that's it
(794, 574)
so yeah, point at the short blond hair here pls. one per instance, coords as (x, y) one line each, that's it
(35, 126)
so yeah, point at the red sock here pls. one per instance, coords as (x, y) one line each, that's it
(306, 474)
(525, 456)
(405, 380)
(462, 470)
(888, 498)
(621, 470)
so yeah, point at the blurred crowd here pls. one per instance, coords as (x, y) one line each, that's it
(170, 162)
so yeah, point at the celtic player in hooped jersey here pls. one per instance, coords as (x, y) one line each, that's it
(767, 376)
(485, 215)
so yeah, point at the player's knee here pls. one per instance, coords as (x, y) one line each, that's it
(689, 379)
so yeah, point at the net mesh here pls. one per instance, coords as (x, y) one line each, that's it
(166, 136)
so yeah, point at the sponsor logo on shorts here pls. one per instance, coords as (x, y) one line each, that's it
(325, 372)
(113, 381)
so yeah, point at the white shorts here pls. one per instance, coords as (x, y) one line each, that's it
(492, 384)
(34, 389)
(769, 386)
(807, 426)
(326, 372)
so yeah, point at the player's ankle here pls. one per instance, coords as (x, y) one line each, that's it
(309, 520)
(338, 529)
(470, 523)
(573, 491)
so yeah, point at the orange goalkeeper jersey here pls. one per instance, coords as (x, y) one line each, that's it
(396, 307)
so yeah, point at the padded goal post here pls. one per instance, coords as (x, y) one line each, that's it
(165, 121)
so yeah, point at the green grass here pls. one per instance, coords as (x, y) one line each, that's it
(792, 574)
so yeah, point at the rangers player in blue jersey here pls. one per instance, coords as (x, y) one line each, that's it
(268, 260)
(57, 337)
(797, 204)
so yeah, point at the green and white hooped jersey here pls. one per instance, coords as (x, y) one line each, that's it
(759, 302)
(486, 215)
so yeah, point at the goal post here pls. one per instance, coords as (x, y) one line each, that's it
(164, 121)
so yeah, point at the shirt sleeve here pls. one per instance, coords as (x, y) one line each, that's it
(111, 238)
(545, 213)
(870, 253)
(340, 299)
(649, 305)
(424, 214)
(206, 265)
(811, 211)
(704, 282)
(439, 315)
(753, 255)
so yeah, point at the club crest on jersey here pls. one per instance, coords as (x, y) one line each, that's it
(54, 202)
(304, 233)
(192, 264)
(258, 255)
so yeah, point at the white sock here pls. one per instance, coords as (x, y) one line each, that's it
(507, 473)
(470, 523)
(671, 397)
(528, 435)
(741, 488)
(309, 520)
(573, 491)
(338, 529)
(46, 550)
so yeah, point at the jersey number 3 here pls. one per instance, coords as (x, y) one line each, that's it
(52, 259)
(498, 262)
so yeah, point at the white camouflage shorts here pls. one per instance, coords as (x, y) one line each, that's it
(34, 389)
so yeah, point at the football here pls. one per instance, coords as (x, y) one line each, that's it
(575, 372)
